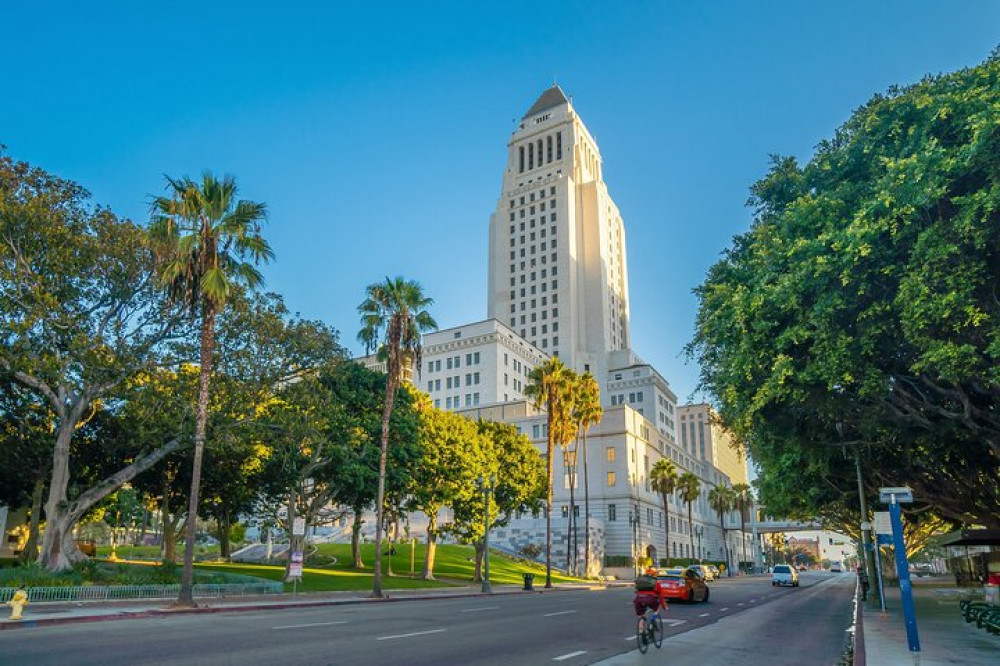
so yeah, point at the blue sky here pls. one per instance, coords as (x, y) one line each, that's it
(376, 133)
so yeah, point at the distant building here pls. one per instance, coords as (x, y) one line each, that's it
(703, 436)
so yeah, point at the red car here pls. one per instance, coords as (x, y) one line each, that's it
(686, 586)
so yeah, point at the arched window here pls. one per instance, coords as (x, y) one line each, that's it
(540, 153)
(521, 162)
(548, 146)
(531, 156)
(558, 145)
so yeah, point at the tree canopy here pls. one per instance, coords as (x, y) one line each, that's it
(867, 294)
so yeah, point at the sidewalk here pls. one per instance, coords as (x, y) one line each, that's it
(945, 638)
(52, 613)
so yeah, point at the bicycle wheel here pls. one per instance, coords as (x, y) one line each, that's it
(657, 631)
(641, 638)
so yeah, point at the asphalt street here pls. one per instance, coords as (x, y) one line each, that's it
(571, 627)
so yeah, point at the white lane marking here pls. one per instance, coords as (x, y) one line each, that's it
(703, 615)
(740, 604)
(571, 654)
(476, 610)
(559, 613)
(752, 600)
(311, 624)
(415, 633)
(674, 623)
(723, 610)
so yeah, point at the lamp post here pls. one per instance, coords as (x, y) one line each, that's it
(487, 489)
(867, 553)
(569, 462)
(698, 531)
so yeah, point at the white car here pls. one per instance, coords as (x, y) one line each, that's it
(784, 574)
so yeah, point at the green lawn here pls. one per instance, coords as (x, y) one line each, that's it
(329, 568)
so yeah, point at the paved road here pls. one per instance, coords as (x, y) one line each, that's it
(580, 627)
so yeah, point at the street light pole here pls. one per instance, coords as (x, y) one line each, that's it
(698, 531)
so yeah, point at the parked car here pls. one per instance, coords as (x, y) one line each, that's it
(685, 586)
(715, 571)
(784, 574)
(703, 569)
(835, 567)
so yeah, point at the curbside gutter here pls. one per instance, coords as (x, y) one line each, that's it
(860, 658)
(167, 612)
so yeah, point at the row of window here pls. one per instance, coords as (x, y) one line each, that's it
(619, 398)
(453, 362)
(471, 400)
(540, 152)
(471, 379)
(531, 197)
(531, 211)
(533, 275)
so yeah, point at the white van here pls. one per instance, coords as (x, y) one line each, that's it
(784, 574)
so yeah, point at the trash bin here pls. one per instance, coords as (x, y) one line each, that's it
(529, 581)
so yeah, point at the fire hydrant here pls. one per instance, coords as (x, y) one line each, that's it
(17, 603)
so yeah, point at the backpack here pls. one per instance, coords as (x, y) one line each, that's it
(645, 583)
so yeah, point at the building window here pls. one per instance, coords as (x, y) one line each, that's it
(611, 453)
(520, 161)
(612, 513)
(611, 479)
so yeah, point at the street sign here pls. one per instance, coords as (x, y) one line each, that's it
(299, 527)
(883, 523)
(900, 495)
(295, 566)
(865, 525)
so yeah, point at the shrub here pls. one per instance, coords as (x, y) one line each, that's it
(530, 551)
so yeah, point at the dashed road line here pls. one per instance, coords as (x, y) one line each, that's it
(415, 633)
(476, 610)
(703, 615)
(570, 655)
(723, 610)
(740, 604)
(559, 613)
(311, 624)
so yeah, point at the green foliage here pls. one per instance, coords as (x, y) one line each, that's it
(865, 294)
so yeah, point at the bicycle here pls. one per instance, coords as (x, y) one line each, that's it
(649, 629)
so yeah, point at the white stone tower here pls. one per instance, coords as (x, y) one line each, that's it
(557, 272)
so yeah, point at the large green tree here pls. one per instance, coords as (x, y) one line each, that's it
(551, 387)
(80, 313)
(393, 316)
(865, 294)
(209, 241)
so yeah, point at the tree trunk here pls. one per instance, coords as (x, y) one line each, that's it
(356, 540)
(586, 511)
(691, 529)
(666, 525)
(390, 394)
(548, 491)
(477, 576)
(186, 596)
(428, 572)
(296, 542)
(53, 556)
(143, 527)
(30, 551)
(224, 526)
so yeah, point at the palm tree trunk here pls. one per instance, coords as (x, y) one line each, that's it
(691, 530)
(666, 526)
(586, 511)
(390, 394)
(186, 596)
(548, 500)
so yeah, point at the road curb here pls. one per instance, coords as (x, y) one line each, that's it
(167, 612)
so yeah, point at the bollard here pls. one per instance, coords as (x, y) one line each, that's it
(17, 603)
(529, 581)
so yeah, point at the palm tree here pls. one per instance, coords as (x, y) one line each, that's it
(742, 501)
(663, 479)
(586, 412)
(397, 310)
(720, 498)
(689, 488)
(550, 387)
(208, 243)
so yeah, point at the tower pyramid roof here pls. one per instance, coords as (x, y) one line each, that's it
(554, 96)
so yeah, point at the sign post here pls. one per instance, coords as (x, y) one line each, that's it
(894, 496)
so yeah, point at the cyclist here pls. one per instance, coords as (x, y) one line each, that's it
(649, 593)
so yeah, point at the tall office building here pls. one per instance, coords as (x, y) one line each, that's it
(557, 271)
(703, 437)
